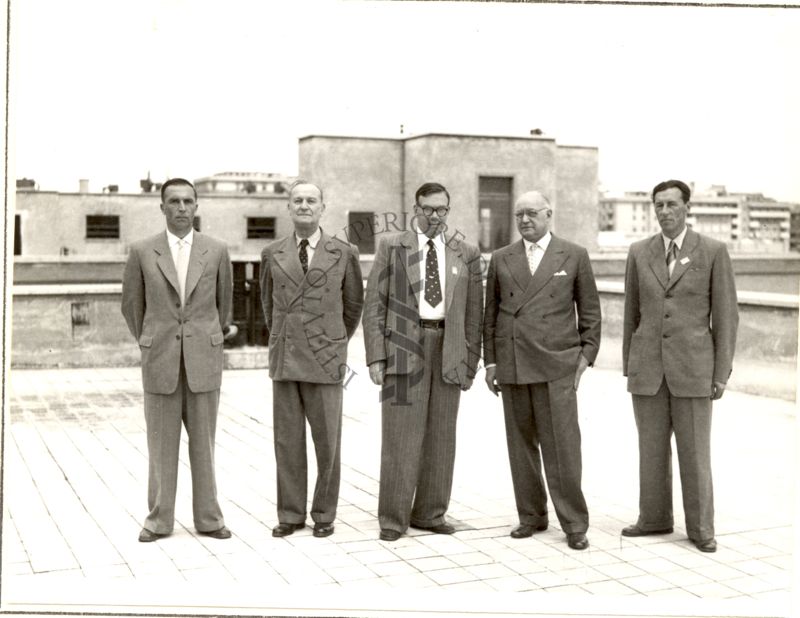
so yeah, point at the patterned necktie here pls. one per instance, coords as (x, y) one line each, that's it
(433, 288)
(304, 255)
(532, 261)
(182, 266)
(672, 255)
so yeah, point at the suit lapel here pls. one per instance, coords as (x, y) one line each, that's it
(551, 261)
(690, 242)
(166, 263)
(411, 260)
(323, 261)
(517, 263)
(452, 265)
(658, 260)
(197, 263)
(288, 260)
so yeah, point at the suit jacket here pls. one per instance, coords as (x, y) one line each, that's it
(681, 327)
(152, 308)
(530, 322)
(310, 317)
(391, 320)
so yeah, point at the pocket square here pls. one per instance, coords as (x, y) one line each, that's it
(560, 273)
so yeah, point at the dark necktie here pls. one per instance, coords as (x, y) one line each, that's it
(672, 255)
(433, 288)
(304, 255)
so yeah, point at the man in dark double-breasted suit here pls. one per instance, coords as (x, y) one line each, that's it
(679, 335)
(176, 299)
(541, 331)
(312, 294)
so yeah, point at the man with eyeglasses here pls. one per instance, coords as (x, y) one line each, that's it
(536, 349)
(422, 331)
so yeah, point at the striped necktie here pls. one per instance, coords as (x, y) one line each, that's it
(672, 255)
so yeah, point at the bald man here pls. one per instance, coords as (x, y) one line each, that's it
(536, 349)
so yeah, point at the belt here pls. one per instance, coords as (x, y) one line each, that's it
(431, 323)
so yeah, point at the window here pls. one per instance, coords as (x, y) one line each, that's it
(102, 226)
(494, 212)
(361, 230)
(261, 227)
(17, 234)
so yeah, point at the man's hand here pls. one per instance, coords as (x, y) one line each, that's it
(376, 372)
(231, 330)
(582, 365)
(717, 389)
(468, 385)
(490, 380)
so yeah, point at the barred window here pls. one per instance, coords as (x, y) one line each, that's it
(261, 227)
(102, 226)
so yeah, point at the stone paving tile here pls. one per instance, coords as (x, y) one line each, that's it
(75, 444)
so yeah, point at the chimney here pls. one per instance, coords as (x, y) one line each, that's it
(84, 185)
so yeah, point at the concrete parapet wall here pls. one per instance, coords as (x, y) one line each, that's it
(72, 325)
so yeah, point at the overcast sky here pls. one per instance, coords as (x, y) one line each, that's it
(109, 90)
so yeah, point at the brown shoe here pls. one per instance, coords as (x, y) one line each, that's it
(709, 545)
(389, 535)
(523, 531)
(322, 530)
(577, 540)
(635, 530)
(286, 529)
(148, 536)
(220, 533)
(437, 529)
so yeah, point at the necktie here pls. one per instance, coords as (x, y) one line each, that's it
(182, 266)
(433, 288)
(533, 262)
(672, 255)
(304, 255)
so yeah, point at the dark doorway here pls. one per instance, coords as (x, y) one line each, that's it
(247, 312)
(17, 235)
(494, 212)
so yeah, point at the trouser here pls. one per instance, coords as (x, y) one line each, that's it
(657, 417)
(545, 414)
(164, 415)
(418, 447)
(321, 405)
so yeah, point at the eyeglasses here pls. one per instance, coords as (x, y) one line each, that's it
(442, 211)
(531, 214)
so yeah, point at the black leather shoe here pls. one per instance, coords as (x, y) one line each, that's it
(322, 530)
(286, 529)
(709, 545)
(577, 540)
(146, 536)
(635, 530)
(390, 535)
(437, 529)
(523, 531)
(220, 533)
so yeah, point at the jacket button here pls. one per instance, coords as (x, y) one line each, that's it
(666, 315)
(177, 336)
(665, 336)
(178, 305)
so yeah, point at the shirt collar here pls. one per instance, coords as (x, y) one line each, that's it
(312, 240)
(423, 238)
(172, 240)
(542, 243)
(678, 239)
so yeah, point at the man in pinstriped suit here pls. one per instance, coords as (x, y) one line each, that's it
(422, 331)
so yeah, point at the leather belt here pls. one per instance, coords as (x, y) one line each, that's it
(431, 323)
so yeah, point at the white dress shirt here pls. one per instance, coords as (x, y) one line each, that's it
(181, 268)
(312, 244)
(535, 251)
(678, 241)
(426, 312)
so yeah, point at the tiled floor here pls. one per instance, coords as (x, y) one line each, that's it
(74, 498)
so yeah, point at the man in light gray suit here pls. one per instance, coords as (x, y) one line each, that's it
(422, 329)
(678, 339)
(176, 298)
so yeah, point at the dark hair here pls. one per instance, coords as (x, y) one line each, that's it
(686, 192)
(177, 181)
(303, 181)
(429, 188)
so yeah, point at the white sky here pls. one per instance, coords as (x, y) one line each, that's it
(109, 90)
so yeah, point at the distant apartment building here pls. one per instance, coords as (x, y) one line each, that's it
(746, 222)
